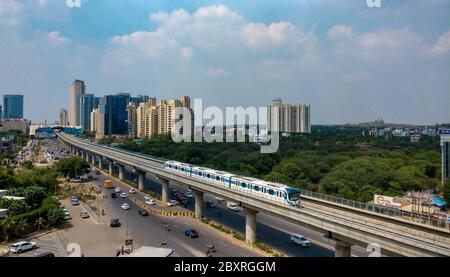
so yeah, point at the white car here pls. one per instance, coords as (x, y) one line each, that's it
(300, 240)
(150, 202)
(117, 190)
(172, 203)
(132, 191)
(67, 216)
(147, 197)
(23, 246)
(125, 206)
(123, 195)
(220, 199)
(233, 207)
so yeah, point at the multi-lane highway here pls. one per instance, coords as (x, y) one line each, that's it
(150, 230)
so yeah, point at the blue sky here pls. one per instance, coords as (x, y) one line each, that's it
(352, 63)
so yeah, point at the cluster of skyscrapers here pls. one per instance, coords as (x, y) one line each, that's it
(122, 114)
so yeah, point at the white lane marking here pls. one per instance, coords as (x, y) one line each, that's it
(244, 255)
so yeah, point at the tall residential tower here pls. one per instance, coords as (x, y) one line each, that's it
(76, 89)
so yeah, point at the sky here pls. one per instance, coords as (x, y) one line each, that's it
(350, 62)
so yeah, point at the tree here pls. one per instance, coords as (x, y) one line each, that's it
(33, 194)
(27, 164)
(7, 226)
(72, 166)
(15, 207)
(54, 216)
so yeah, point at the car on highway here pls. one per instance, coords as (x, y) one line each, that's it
(220, 199)
(97, 172)
(84, 214)
(147, 197)
(118, 190)
(233, 207)
(172, 203)
(123, 195)
(75, 180)
(210, 204)
(115, 222)
(45, 254)
(61, 206)
(180, 197)
(125, 206)
(150, 202)
(19, 247)
(132, 191)
(300, 240)
(191, 233)
(174, 192)
(75, 202)
(67, 216)
(188, 194)
(113, 195)
(143, 213)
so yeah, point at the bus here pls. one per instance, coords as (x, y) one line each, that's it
(108, 184)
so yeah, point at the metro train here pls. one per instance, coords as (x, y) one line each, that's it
(275, 192)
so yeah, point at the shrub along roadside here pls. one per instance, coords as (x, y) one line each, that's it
(48, 214)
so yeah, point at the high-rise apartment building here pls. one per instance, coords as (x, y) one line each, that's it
(76, 89)
(292, 118)
(63, 117)
(86, 103)
(98, 123)
(12, 106)
(445, 155)
(147, 119)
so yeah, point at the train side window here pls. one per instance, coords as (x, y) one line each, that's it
(244, 185)
(208, 175)
(182, 169)
(256, 188)
(217, 178)
(270, 191)
(199, 173)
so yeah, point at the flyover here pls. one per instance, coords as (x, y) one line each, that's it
(345, 225)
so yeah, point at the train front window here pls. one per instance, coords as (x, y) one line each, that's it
(294, 196)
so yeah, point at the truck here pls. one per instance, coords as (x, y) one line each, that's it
(107, 184)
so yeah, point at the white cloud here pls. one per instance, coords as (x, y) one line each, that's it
(186, 52)
(340, 31)
(442, 46)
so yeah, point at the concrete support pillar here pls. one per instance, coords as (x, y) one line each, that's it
(164, 190)
(342, 249)
(87, 156)
(111, 165)
(81, 154)
(100, 162)
(93, 159)
(121, 172)
(250, 226)
(141, 180)
(198, 204)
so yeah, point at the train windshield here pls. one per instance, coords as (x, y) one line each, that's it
(294, 195)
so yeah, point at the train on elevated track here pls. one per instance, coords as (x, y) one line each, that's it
(275, 192)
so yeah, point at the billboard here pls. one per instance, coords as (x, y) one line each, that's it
(444, 132)
(387, 201)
